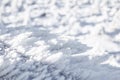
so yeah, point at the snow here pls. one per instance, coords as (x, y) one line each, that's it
(59, 40)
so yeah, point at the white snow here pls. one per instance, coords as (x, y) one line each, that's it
(59, 40)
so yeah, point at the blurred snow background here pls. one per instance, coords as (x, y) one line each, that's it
(59, 40)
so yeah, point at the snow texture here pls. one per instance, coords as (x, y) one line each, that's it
(59, 39)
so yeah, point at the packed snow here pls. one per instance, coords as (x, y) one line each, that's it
(59, 39)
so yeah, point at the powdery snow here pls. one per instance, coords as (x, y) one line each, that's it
(59, 40)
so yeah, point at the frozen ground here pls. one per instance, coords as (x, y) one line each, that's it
(59, 39)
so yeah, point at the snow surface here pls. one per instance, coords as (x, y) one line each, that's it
(59, 39)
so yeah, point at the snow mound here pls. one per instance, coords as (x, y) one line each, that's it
(59, 40)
